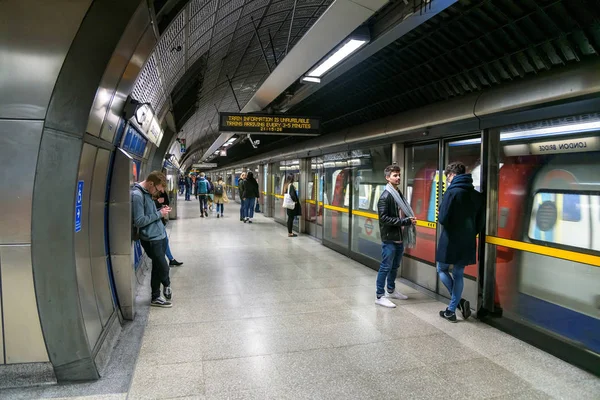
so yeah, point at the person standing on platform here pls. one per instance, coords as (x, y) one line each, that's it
(160, 201)
(241, 183)
(397, 229)
(153, 236)
(202, 189)
(220, 196)
(288, 187)
(461, 218)
(250, 195)
(181, 184)
(188, 188)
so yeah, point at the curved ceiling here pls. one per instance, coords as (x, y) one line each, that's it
(210, 42)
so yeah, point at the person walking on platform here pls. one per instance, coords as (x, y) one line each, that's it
(203, 188)
(153, 236)
(220, 196)
(162, 199)
(241, 183)
(397, 229)
(461, 218)
(211, 195)
(188, 188)
(288, 187)
(181, 184)
(250, 195)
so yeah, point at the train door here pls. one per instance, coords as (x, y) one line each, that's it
(314, 198)
(336, 202)
(423, 183)
(468, 151)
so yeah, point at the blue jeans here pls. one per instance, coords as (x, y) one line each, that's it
(242, 208)
(187, 194)
(249, 213)
(391, 255)
(168, 251)
(220, 207)
(454, 283)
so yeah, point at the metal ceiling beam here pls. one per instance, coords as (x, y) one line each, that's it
(336, 23)
(379, 43)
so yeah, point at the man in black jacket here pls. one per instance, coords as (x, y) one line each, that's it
(461, 216)
(397, 228)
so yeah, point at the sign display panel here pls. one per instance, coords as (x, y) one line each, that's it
(269, 124)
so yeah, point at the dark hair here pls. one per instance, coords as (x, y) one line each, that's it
(250, 175)
(289, 179)
(391, 168)
(158, 178)
(209, 179)
(456, 168)
(220, 178)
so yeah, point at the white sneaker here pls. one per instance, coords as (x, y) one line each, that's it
(396, 295)
(384, 302)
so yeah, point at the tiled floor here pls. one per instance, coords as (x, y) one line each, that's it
(258, 315)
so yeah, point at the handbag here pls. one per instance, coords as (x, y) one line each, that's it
(288, 202)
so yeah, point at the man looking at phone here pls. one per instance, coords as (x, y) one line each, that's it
(397, 229)
(153, 236)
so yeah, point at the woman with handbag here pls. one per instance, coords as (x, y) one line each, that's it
(292, 203)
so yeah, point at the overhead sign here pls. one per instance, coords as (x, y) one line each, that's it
(269, 124)
(205, 165)
(78, 206)
(577, 145)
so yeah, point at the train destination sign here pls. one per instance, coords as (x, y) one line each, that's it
(269, 124)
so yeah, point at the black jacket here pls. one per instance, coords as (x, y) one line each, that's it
(390, 222)
(250, 189)
(461, 216)
(241, 184)
(294, 195)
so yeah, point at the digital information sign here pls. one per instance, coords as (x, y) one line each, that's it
(268, 124)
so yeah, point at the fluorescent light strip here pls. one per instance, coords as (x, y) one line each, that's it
(311, 79)
(337, 57)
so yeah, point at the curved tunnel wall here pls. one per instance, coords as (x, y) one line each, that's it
(67, 70)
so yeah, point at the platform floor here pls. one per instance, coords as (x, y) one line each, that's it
(258, 315)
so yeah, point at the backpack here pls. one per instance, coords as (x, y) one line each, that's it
(202, 186)
(219, 190)
(135, 231)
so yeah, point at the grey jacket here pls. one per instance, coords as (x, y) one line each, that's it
(145, 215)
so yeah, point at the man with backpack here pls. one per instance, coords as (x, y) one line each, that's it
(203, 189)
(152, 235)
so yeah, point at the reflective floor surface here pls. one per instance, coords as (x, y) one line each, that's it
(258, 315)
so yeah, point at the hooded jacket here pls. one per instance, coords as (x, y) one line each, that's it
(461, 216)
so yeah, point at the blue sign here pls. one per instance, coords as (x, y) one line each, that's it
(78, 203)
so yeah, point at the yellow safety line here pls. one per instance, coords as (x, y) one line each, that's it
(427, 224)
(311, 202)
(264, 192)
(278, 196)
(545, 251)
(365, 214)
(335, 208)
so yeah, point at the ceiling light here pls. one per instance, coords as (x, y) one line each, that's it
(311, 79)
(340, 54)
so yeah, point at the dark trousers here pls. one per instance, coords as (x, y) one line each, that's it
(203, 202)
(290, 222)
(155, 249)
(249, 207)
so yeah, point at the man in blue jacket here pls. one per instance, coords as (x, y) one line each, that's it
(153, 236)
(203, 189)
(461, 216)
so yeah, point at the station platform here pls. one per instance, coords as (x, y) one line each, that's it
(258, 315)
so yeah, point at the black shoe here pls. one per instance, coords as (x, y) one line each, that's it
(217, 215)
(205, 213)
(175, 263)
(242, 219)
(201, 215)
(160, 302)
(465, 308)
(449, 315)
(168, 293)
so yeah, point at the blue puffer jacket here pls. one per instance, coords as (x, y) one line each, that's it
(461, 216)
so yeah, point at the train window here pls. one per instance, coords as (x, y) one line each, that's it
(571, 208)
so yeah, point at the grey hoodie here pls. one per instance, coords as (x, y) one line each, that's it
(145, 215)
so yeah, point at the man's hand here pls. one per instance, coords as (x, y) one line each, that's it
(165, 211)
(413, 220)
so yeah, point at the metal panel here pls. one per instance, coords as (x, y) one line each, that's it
(24, 341)
(119, 224)
(19, 145)
(420, 273)
(85, 280)
(34, 39)
(97, 237)
(118, 62)
(126, 84)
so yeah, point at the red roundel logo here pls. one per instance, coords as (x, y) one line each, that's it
(369, 226)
